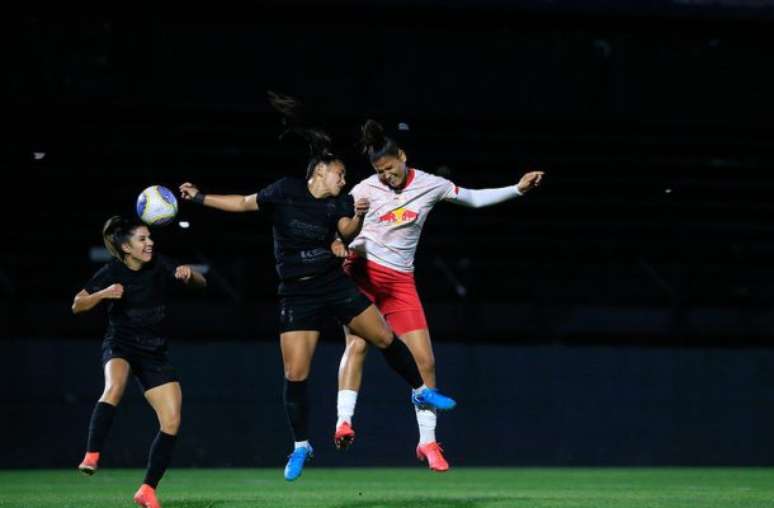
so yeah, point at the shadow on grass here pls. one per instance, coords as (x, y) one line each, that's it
(424, 502)
(198, 503)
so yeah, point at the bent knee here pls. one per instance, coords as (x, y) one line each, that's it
(113, 393)
(357, 347)
(296, 374)
(170, 423)
(384, 338)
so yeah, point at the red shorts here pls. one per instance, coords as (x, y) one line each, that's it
(394, 293)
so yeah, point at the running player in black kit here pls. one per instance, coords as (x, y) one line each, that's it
(135, 286)
(307, 214)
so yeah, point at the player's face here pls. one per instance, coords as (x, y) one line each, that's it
(335, 177)
(140, 245)
(391, 170)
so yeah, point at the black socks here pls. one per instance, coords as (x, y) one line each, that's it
(399, 358)
(296, 399)
(99, 426)
(160, 456)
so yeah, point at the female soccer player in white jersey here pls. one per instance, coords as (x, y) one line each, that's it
(381, 261)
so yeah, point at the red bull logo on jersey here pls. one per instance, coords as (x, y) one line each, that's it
(399, 216)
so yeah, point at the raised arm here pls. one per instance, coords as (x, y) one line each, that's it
(349, 227)
(85, 301)
(478, 198)
(227, 203)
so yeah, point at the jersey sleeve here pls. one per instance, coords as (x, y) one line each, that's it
(359, 191)
(444, 189)
(271, 194)
(346, 206)
(100, 280)
(478, 198)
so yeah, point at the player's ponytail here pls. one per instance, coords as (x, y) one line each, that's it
(375, 144)
(319, 141)
(116, 232)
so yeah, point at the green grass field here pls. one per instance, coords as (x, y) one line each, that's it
(393, 488)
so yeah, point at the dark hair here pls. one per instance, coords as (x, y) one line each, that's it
(318, 140)
(374, 142)
(116, 232)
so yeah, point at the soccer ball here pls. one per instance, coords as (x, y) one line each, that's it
(156, 206)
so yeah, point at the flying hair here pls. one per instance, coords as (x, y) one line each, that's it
(319, 141)
(375, 144)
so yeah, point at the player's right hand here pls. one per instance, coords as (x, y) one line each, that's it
(184, 273)
(113, 292)
(361, 207)
(339, 249)
(530, 180)
(188, 191)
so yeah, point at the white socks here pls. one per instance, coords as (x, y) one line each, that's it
(417, 390)
(426, 420)
(302, 444)
(345, 406)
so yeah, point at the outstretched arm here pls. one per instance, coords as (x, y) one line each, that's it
(227, 203)
(478, 198)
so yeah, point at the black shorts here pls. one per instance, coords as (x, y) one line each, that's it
(150, 369)
(304, 304)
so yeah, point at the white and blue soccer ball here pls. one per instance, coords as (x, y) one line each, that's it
(156, 206)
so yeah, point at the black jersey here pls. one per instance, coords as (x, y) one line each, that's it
(304, 227)
(136, 318)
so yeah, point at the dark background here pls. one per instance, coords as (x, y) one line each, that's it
(621, 314)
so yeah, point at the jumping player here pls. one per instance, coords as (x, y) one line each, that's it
(135, 285)
(306, 215)
(381, 262)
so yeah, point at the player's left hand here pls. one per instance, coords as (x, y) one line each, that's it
(183, 273)
(361, 207)
(529, 181)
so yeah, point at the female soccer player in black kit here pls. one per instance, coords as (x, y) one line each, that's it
(307, 214)
(135, 285)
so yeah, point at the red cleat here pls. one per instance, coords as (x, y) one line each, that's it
(344, 436)
(146, 497)
(433, 453)
(89, 464)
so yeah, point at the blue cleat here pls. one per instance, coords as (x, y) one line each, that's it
(296, 460)
(430, 398)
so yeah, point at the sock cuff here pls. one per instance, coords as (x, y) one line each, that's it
(167, 437)
(301, 444)
(418, 389)
(105, 406)
(296, 387)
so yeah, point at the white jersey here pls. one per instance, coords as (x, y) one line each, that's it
(394, 221)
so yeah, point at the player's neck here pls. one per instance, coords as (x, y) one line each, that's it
(133, 264)
(407, 177)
